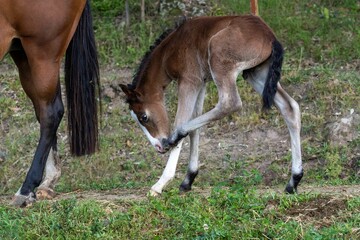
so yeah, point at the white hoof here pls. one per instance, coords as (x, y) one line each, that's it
(23, 201)
(153, 193)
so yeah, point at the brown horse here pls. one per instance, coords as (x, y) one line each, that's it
(201, 48)
(36, 34)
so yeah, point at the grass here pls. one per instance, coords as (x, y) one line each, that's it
(224, 214)
(321, 72)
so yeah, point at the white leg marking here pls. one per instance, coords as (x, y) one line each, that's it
(194, 151)
(52, 174)
(169, 171)
(52, 171)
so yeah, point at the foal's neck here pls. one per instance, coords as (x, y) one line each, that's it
(154, 78)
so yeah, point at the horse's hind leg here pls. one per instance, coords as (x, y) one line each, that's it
(40, 81)
(290, 110)
(52, 174)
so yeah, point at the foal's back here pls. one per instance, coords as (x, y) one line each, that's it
(239, 37)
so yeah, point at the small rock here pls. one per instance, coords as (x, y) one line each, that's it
(344, 130)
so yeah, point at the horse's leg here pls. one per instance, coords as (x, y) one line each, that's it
(52, 167)
(169, 171)
(229, 100)
(290, 110)
(193, 167)
(52, 175)
(187, 95)
(39, 79)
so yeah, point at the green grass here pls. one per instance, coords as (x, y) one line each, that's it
(227, 213)
(322, 41)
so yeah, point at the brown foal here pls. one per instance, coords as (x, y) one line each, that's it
(203, 48)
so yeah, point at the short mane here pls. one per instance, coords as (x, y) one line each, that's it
(144, 62)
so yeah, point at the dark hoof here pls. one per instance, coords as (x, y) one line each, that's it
(189, 180)
(23, 201)
(184, 188)
(290, 189)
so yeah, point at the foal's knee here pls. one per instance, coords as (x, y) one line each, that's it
(230, 105)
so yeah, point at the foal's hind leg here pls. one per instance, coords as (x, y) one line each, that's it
(290, 110)
(40, 82)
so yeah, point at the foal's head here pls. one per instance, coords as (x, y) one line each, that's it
(150, 113)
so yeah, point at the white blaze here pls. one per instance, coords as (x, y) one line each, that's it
(155, 142)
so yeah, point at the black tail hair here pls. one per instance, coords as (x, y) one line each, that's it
(274, 75)
(82, 83)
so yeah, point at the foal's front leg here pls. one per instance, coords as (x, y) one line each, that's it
(229, 102)
(169, 171)
(193, 167)
(188, 98)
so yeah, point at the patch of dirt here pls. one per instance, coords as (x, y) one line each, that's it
(322, 211)
(326, 192)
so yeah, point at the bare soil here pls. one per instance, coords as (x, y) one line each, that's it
(141, 194)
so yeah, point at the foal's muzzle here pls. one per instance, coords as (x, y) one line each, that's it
(165, 145)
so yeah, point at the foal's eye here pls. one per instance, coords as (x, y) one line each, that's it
(144, 118)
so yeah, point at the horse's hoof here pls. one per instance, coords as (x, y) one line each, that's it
(184, 188)
(290, 189)
(292, 185)
(153, 193)
(45, 194)
(23, 201)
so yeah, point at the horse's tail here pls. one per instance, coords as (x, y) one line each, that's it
(82, 83)
(273, 75)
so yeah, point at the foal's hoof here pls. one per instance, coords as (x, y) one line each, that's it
(184, 188)
(23, 201)
(290, 189)
(45, 194)
(153, 193)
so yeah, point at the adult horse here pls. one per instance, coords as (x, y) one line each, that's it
(200, 49)
(36, 34)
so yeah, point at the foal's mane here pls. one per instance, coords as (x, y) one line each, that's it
(146, 59)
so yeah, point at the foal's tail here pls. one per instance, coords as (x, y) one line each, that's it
(82, 87)
(274, 74)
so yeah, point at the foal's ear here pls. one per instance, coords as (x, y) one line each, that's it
(130, 93)
(126, 90)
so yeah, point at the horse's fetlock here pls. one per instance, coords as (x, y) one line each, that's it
(177, 136)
